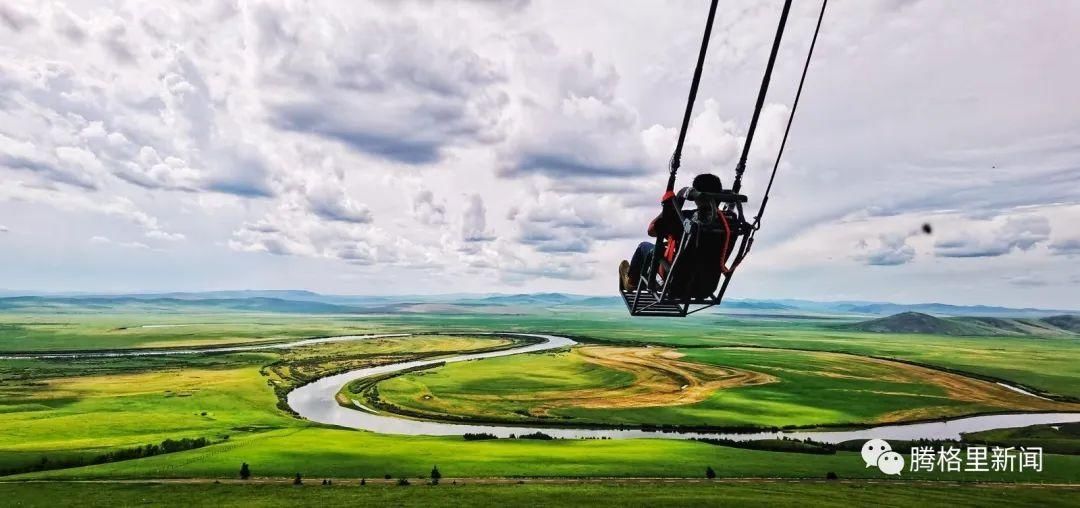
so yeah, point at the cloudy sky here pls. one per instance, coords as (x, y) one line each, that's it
(434, 147)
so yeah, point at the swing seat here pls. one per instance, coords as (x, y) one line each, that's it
(685, 280)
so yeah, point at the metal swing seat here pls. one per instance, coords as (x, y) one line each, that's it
(689, 260)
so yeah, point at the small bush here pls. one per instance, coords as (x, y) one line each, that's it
(481, 436)
(536, 435)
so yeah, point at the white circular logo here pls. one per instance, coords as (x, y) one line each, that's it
(891, 463)
(873, 449)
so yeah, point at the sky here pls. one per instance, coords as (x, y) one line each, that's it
(415, 147)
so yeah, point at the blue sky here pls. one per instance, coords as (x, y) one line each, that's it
(435, 147)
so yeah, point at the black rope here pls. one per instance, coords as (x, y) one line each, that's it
(747, 241)
(791, 117)
(677, 156)
(741, 166)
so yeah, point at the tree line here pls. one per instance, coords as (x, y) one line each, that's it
(138, 452)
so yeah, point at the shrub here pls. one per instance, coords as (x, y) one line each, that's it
(536, 435)
(245, 471)
(479, 436)
(709, 473)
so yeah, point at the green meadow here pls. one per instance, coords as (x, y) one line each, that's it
(62, 416)
(318, 452)
(796, 388)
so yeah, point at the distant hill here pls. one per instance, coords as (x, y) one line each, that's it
(985, 320)
(754, 305)
(914, 322)
(1065, 322)
(917, 322)
(530, 299)
(939, 309)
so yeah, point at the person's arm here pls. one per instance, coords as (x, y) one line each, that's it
(669, 199)
(652, 225)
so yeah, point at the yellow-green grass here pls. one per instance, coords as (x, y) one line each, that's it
(119, 331)
(467, 494)
(66, 413)
(318, 452)
(92, 415)
(1046, 364)
(324, 451)
(807, 388)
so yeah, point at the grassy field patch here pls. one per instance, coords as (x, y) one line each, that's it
(719, 387)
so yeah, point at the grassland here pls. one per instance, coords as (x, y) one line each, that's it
(81, 332)
(63, 409)
(1043, 364)
(1059, 438)
(708, 387)
(1046, 365)
(764, 494)
(318, 452)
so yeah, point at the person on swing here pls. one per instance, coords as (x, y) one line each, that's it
(630, 271)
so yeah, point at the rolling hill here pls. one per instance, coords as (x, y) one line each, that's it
(917, 322)
(914, 322)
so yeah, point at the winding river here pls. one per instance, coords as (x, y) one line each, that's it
(317, 402)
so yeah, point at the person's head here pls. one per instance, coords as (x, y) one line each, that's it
(708, 182)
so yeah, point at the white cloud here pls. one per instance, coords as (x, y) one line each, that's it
(104, 240)
(120, 207)
(474, 221)
(426, 210)
(885, 250)
(995, 238)
(522, 143)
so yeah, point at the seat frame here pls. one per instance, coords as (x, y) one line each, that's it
(651, 297)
